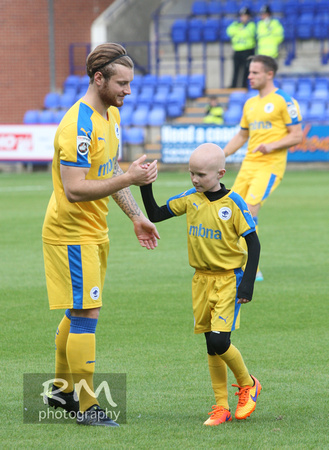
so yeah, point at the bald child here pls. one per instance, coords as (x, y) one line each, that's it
(217, 219)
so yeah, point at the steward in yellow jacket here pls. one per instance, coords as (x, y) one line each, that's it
(242, 33)
(270, 34)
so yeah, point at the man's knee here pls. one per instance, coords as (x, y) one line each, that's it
(218, 342)
(92, 313)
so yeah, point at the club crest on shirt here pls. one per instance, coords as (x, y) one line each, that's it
(94, 293)
(225, 213)
(268, 108)
(83, 143)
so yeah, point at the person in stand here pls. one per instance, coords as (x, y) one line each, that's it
(216, 218)
(214, 112)
(269, 33)
(85, 173)
(271, 121)
(242, 33)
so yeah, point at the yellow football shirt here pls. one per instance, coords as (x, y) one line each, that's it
(83, 139)
(267, 119)
(213, 229)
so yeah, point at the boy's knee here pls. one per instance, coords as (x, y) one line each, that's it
(218, 342)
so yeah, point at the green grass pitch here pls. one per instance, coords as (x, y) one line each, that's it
(146, 326)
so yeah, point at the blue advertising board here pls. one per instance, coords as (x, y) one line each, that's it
(178, 142)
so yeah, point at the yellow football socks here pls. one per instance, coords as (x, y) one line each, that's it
(81, 350)
(62, 370)
(234, 360)
(218, 375)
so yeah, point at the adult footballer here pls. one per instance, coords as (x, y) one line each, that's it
(272, 122)
(85, 173)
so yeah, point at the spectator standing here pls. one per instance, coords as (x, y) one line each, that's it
(270, 33)
(242, 33)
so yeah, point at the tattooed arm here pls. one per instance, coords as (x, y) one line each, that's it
(145, 230)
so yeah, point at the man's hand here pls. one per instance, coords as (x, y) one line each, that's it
(263, 148)
(141, 174)
(146, 233)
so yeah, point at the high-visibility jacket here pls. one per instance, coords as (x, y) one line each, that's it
(243, 36)
(270, 34)
(214, 115)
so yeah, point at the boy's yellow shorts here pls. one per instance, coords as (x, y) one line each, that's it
(215, 303)
(75, 275)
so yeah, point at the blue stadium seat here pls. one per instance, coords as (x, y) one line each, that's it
(321, 25)
(165, 80)
(195, 30)
(179, 31)
(140, 116)
(71, 83)
(150, 79)
(317, 111)
(84, 84)
(126, 113)
(231, 7)
(146, 95)
(157, 116)
(307, 7)
(232, 115)
(31, 117)
(291, 8)
(322, 6)
(180, 80)
(46, 116)
(199, 7)
(196, 85)
(321, 88)
(290, 28)
(303, 107)
(211, 30)
(215, 8)
(277, 6)
(52, 100)
(59, 114)
(304, 88)
(305, 26)
(176, 101)
(67, 99)
(289, 85)
(178, 95)
(175, 109)
(225, 22)
(137, 81)
(161, 95)
(132, 99)
(237, 97)
(134, 135)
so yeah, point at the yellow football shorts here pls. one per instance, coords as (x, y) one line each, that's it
(256, 184)
(214, 299)
(75, 275)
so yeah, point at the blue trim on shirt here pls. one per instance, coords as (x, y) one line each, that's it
(84, 128)
(238, 276)
(238, 200)
(182, 194)
(288, 99)
(269, 186)
(75, 164)
(75, 264)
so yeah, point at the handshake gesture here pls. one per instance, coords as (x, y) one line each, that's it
(141, 173)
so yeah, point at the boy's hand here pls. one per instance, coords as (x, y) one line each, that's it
(243, 300)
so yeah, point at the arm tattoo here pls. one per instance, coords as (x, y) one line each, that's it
(124, 198)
